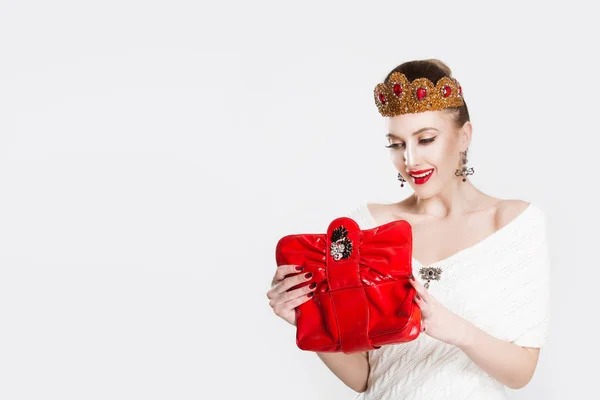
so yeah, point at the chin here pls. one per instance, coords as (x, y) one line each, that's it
(424, 196)
(425, 192)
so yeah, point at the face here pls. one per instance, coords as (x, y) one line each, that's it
(425, 148)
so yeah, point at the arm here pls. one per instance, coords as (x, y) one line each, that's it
(508, 363)
(352, 369)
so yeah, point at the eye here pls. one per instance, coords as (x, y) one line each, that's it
(422, 141)
(394, 145)
(428, 140)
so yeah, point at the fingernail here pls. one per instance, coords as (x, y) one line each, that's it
(417, 296)
(312, 285)
(411, 277)
(311, 294)
(299, 268)
(308, 276)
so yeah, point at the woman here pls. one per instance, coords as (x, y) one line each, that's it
(480, 263)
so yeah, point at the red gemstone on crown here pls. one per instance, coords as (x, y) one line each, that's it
(421, 93)
(397, 89)
(382, 98)
(447, 91)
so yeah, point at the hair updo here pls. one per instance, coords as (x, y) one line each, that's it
(432, 69)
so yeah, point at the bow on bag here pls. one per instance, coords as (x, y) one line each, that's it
(363, 298)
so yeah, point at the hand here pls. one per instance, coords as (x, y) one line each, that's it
(436, 320)
(283, 301)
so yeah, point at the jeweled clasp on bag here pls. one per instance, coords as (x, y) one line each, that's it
(341, 246)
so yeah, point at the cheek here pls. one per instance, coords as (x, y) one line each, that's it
(397, 156)
(439, 154)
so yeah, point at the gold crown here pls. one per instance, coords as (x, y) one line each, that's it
(399, 96)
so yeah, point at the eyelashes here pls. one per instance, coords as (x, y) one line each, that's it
(422, 141)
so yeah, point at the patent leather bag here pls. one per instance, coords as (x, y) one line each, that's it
(363, 298)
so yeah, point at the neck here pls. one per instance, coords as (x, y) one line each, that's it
(456, 199)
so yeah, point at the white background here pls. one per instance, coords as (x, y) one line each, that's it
(153, 152)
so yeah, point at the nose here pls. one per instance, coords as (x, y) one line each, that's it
(411, 158)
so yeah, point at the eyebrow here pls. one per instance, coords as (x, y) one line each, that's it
(414, 133)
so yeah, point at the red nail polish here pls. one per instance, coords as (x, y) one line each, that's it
(312, 285)
(311, 294)
(308, 276)
(299, 268)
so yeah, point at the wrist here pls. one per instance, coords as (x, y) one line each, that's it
(466, 334)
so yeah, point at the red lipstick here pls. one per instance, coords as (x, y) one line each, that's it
(422, 179)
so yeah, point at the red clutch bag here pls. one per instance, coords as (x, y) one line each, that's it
(363, 298)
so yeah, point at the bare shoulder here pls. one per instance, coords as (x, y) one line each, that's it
(377, 211)
(383, 213)
(509, 209)
(504, 211)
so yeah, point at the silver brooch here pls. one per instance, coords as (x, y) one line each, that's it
(430, 274)
(341, 246)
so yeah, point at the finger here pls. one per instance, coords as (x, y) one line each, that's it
(292, 300)
(280, 274)
(422, 290)
(292, 281)
(425, 308)
(420, 302)
(293, 295)
(284, 308)
(284, 270)
(289, 282)
(289, 295)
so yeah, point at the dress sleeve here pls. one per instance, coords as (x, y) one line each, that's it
(534, 310)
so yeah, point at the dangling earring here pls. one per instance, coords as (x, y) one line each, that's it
(401, 179)
(464, 171)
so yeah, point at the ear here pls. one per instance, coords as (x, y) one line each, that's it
(464, 135)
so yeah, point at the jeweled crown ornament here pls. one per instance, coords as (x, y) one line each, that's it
(341, 246)
(400, 96)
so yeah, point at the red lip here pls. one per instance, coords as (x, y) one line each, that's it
(422, 171)
(420, 181)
